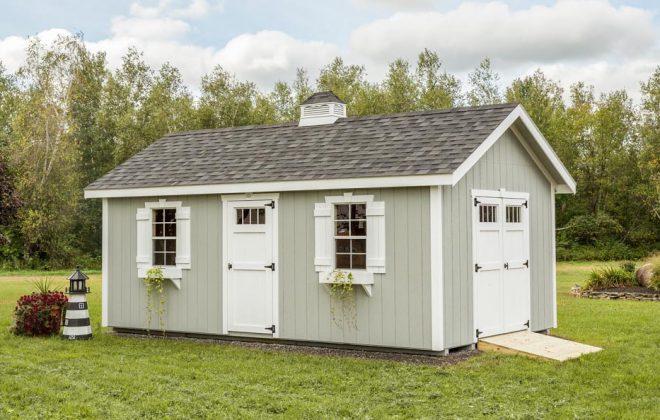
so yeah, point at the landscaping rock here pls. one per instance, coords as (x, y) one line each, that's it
(617, 294)
(644, 274)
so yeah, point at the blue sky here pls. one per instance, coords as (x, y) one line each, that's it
(611, 44)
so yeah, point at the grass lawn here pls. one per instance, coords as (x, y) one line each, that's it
(117, 377)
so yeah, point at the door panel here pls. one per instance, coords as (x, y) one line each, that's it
(501, 277)
(250, 281)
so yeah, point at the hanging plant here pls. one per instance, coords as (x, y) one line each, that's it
(342, 297)
(155, 281)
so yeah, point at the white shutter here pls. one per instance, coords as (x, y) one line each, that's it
(143, 219)
(183, 237)
(376, 237)
(324, 247)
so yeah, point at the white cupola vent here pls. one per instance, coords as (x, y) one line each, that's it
(321, 108)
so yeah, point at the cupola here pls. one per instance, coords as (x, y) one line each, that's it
(321, 108)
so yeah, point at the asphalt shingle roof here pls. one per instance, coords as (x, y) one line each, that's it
(320, 97)
(413, 143)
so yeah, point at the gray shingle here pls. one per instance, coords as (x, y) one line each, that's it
(414, 143)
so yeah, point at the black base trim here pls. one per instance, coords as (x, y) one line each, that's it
(80, 322)
(77, 337)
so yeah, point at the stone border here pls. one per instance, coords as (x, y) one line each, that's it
(602, 294)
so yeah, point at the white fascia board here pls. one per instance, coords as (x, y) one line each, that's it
(257, 187)
(568, 183)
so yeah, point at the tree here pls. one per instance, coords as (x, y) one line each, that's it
(483, 82)
(437, 89)
(400, 88)
(346, 81)
(225, 101)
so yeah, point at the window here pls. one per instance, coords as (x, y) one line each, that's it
(255, 216)
(164, 237)
(350, 226)
(488, 213)
(513, 214)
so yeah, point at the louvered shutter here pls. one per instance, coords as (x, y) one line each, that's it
(143, 220)
(376, 237)
(324, 245)
(183, 237)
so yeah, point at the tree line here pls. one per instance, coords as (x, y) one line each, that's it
(66, 118)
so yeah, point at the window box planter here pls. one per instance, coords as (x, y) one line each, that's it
(361, 278)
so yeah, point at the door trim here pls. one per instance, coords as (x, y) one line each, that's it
(225, 241)
(503, 194)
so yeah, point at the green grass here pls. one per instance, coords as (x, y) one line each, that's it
(117, 377)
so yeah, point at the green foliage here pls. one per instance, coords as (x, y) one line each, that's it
(601, 251)
(342, 295)
(44, 285)
(155, 281)
(66, 119)
(611, 276)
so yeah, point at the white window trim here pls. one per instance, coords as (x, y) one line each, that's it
(145, 256)
(375, 243)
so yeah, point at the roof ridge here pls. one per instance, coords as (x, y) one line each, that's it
(346, 119)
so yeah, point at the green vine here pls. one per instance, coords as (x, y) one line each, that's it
(155, 281)
(342, 294)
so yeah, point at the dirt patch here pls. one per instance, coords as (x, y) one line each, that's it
(422, 359)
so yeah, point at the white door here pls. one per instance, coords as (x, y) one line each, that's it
(250, 266)
(501, 266)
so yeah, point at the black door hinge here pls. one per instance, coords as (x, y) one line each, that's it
(477, 267)
(271, 328)
(506, 265)
(525, 204)
(526, 263)
(476, 202)
(526, 323)
(271, 204)
(479, 332)
(229, 266)
(271, 266)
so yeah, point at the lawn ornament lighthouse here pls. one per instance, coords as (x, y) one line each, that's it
(76, 320)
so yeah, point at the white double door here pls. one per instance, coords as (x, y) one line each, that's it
(250, 266)
(501, 265)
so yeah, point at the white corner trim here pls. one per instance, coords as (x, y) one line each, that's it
(258, 187)
(105, 263)
(554, 256)
(437, 281)
(517, 113)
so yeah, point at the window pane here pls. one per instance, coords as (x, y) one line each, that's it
(341, 228)
(170, 229)
(343, 261)
(239, 216)
(359, 246)
(253, 217)
(159, 258)
(358, 211)
(341, 211)
(158, 229)
(170, 259)
(170, 245)
(359, 261)
(158, 215)
(246, 216)
(342, 245)
(262, 216)
(170, 215)
(158, 245)
(359, 228)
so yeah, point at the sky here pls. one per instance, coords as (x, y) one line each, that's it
(609, 44)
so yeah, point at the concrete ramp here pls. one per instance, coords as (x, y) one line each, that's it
(535, 345)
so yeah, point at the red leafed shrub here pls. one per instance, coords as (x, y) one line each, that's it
(39, 314)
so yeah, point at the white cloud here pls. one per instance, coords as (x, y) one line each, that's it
(193, 9)
(148, 28)
(396, 4)
(463, 36)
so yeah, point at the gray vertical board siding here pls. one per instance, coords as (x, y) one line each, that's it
(398, 314)
(196, 307)
(506, 165)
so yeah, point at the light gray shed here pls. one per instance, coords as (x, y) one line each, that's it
(445, 220)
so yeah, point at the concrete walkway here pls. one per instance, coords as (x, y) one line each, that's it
(536, 345)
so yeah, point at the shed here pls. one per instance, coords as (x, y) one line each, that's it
(445, 220)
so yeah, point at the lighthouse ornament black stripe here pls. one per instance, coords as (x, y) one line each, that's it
(76, 321)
